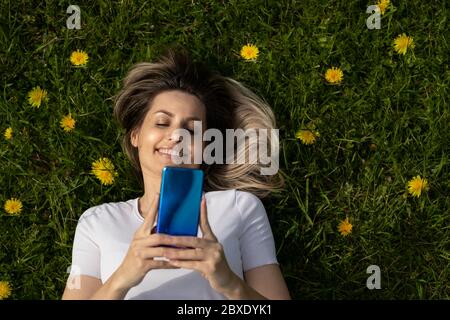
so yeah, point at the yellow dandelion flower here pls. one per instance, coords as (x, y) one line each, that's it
(8, 133)
(13, 206)
(5, 290)
(79, 58)
(345, 227)
(68, 123)
(416, 185)
(103, 169)
(383, 4)
(334, 75)
(36, 96)
(402, 43)
(249, 52)
(307, 136)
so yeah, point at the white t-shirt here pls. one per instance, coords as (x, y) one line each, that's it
(238, 220)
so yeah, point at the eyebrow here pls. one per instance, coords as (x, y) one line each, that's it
(171, 115)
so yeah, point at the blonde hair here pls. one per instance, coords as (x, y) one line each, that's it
(229, 105)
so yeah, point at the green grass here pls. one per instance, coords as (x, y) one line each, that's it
(400, 103)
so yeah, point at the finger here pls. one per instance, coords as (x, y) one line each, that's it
(150, 253)
(193, 265)
(170, 253)
(160, 239)
(204, 223)
(159, 264)
(155, 240)
(186, 242)
(150, 217)
(184, 254)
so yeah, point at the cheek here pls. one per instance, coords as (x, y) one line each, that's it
(151, 139)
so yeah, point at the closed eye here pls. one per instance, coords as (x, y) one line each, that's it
(191, 131)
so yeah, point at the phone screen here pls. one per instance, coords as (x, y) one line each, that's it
(179, 204)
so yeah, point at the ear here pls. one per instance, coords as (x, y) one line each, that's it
(134, 137)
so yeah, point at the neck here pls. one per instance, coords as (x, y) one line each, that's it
(152, 184)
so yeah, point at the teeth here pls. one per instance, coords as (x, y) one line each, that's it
(168, 151)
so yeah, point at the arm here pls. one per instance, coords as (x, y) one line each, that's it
(92, 288)
(206, 255)
(258, 250)
(136, 264)
(84, 288)
(264, 282)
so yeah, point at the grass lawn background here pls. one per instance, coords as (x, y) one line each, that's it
(398, 104)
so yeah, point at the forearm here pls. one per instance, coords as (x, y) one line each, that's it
(110, 290)
(240, 290)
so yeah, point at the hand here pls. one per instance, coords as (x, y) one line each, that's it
(143, 248)
(204, 255)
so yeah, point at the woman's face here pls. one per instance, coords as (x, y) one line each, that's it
(170, 110)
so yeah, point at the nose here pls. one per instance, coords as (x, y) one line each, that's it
(175, 136)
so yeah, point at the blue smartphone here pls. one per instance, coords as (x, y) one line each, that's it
(179, 202)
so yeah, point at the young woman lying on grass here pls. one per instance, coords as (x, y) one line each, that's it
(234, 256)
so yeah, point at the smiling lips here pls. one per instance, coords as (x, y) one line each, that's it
(168, 153)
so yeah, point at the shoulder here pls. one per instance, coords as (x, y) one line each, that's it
(237, 196)
(245, 199)
(242, 201)
(107, 210)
